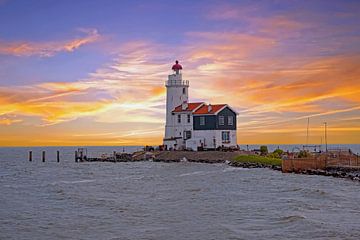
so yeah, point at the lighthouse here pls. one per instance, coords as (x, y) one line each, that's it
(176, 94)
(195, 125)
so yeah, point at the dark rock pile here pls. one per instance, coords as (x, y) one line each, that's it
(123, 157)
(253, 165)
(334, 172)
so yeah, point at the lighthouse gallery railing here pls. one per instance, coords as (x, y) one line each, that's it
(177, 82)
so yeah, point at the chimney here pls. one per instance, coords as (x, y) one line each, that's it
(209, 107)
(184, 106)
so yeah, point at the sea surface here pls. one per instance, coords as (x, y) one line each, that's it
(148, 200)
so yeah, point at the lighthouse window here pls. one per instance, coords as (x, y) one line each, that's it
(221, 120)
(230, 120)
(202, 121)
(179, 118)
(188, 118)
(184, 90)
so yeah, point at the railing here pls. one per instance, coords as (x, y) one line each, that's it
(177, 83)
(342, 159)
(325, 160)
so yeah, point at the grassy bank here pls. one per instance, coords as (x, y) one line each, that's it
(257, 159)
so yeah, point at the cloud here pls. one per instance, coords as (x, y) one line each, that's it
(48, 49)
(8, 120)
(130, 88)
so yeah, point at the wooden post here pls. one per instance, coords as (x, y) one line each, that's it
(30, 156)
(76, 156)
(58, 156)
(114, 156)
(43, 156)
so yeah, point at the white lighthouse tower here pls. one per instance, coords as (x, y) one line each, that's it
(176, 94)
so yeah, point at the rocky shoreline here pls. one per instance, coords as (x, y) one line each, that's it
(335, 172)
(221, 157)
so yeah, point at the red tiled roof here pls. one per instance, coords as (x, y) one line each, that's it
(205, 110)
(191, 107)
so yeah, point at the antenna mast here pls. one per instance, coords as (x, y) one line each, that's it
(307, 132)
(325, 123)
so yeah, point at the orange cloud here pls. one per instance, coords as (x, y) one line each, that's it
(8, 121)
(47, 49)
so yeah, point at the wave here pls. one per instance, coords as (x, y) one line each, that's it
(291, 218)
(74, 182)
(231, 169)
(197, 173)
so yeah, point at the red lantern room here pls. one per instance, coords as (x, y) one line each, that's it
(176, 67)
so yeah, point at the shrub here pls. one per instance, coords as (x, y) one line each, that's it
(263, 150)
(279, 151)
(276, 154)
(303, 154)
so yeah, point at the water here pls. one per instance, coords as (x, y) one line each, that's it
(148, 200)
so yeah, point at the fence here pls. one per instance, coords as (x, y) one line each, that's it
(343, 159)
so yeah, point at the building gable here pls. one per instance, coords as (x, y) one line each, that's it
(225, 114)
(218, 121)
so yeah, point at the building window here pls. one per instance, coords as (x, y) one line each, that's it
(179, 118)
(184, 90)
(188, 118)
(225, 137)
(230, 120)
(187, 135)
(202, 121)
(221, 120)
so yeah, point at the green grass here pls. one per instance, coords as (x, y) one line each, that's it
(257, 159)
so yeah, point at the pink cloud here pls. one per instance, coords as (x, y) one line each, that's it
(48, 49)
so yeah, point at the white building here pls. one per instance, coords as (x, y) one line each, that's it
(195, 125)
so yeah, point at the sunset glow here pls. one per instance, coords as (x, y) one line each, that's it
(94, 73)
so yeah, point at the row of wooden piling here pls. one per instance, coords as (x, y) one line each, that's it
(43, 156)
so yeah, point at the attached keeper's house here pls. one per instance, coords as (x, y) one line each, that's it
(198, 125)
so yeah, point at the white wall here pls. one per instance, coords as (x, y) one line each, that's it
(233, 140)
(210, 135)
(174, 98)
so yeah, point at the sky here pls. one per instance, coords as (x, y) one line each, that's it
(92, 72)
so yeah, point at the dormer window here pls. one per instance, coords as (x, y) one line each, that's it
(221, 120)
(230, 120)
(202, 121)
